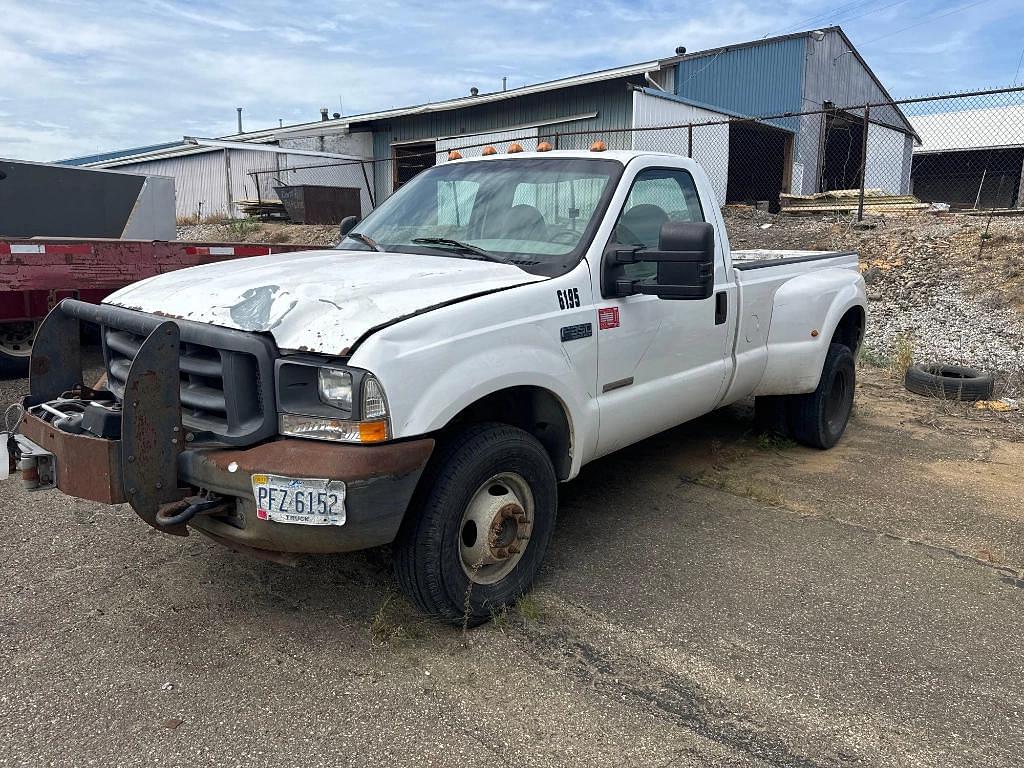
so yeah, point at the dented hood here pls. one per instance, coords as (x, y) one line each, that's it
(318, 301)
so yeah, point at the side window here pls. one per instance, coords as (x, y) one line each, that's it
(657, 195)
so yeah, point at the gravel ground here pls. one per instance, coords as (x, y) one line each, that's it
(935, 283)
(247, 231)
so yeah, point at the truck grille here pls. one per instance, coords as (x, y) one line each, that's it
(226, 390)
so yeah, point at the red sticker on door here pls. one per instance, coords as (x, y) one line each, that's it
(608, 317)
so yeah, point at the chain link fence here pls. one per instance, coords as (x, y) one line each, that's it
(960, 152)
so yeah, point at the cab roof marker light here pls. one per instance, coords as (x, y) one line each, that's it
(514, 147)
(489, 151)
(598, 146)
(544, 147)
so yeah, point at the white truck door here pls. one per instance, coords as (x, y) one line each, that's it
(660, 362)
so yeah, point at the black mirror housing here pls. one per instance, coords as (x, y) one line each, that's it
(348, 224)
(689, 272)
(685, 260)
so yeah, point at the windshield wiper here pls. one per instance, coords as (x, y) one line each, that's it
(365, 240)
(460, 246)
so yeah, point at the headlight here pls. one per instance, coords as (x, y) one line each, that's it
(326, 402)
(335, 387)
(319, 428)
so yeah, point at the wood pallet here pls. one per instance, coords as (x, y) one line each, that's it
(848, 201)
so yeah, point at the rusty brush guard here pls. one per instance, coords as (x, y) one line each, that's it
(146, 456)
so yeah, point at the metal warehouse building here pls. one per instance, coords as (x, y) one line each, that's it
(817, 72)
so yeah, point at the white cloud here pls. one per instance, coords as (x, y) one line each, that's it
(78, 77)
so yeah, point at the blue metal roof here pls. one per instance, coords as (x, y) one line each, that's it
(117, 154)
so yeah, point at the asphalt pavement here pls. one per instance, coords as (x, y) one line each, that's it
(710, 598)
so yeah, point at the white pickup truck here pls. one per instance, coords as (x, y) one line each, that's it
(492, 327)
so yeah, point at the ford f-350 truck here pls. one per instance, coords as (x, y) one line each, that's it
(492, 327)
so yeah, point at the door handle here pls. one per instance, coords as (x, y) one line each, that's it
(721, 307)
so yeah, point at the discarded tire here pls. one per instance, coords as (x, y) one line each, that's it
(952, 382)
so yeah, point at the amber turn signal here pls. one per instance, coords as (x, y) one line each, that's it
(373, 431)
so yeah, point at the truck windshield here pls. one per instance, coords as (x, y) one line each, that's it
(538, 213)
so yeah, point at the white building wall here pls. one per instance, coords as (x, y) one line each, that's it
(886, 166)
(210, 183)
(710, 142)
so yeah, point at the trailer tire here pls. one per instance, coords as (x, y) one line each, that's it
(16, 344)
(479, 529)
(951, 382)
(819, 418)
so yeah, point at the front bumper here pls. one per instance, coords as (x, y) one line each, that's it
(379, 483)
(154, 467)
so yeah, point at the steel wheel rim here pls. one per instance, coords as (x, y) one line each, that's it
(495, 529)
(16, 338)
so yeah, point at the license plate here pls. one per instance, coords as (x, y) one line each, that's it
(299, 500)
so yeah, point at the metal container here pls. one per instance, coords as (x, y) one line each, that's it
(312, 204)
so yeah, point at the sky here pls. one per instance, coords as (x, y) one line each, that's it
(80, 76)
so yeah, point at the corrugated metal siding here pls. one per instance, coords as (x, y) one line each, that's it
(710, 142)
(611, 100)
(834, 74)
(759, 80)
(243, 162)
(200, 181)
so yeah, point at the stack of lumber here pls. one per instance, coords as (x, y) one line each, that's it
(262, 209)
(847, 200)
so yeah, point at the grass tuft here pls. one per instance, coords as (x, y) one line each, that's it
(903, 355)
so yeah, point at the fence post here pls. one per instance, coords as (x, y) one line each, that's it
(557, 135)
(864, 162)
(689, 140)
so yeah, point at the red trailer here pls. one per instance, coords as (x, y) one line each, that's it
(35, 274)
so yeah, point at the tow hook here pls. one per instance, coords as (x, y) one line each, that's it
(182, 511)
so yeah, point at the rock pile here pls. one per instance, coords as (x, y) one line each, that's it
(942, 283)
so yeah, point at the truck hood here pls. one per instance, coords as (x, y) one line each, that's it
(317, 301)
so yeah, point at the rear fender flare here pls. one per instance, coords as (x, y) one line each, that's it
(806, 312)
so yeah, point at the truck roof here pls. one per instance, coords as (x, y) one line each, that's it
(622, 155)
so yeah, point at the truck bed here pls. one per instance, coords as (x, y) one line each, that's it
(760, 258)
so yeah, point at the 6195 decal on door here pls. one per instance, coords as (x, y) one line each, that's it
(569, 298)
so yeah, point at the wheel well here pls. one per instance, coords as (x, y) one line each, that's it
(532, 409)
(850, 330)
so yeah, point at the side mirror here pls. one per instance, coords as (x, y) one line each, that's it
(347, 225)
(685, 260)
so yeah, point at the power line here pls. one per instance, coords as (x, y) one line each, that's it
(926, 20)
(827, 14)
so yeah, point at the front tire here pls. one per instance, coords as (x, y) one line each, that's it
(479, 532)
